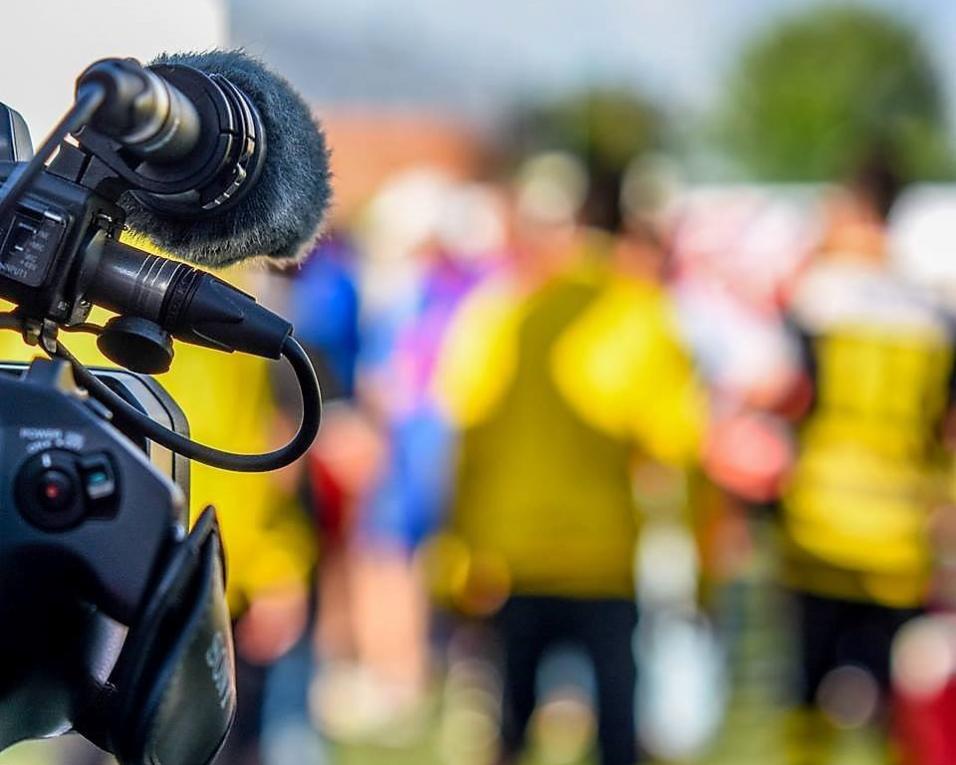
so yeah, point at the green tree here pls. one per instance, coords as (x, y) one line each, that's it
(811, 97)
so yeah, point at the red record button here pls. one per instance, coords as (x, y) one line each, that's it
(54, 490)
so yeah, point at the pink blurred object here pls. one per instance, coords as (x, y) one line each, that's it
(749, 453)
(342, 464)
(753, 240)
(738, 250)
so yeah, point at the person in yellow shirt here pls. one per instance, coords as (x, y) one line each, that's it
(870, 467)
(558, 374)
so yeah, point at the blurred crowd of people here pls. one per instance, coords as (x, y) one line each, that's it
(564, 420)
(569, 423)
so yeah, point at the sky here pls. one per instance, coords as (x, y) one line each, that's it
(479, 58)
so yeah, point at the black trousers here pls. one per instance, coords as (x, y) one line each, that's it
(529, 626)
(836, 632)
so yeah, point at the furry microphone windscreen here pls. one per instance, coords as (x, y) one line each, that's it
(281, 214)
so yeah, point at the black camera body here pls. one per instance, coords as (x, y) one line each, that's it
(48, 233)
(83, 494)
(50, 228)
(121, 624)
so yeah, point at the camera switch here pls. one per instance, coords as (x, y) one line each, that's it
(99, 482)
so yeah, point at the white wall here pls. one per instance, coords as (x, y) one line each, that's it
(47, 43)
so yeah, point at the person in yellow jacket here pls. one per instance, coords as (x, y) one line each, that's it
(558, 375)
(870, 468)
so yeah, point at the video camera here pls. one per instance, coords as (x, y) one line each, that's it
(113, 613)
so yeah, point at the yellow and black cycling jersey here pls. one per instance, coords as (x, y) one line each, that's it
(870, 466)
(555, 392)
